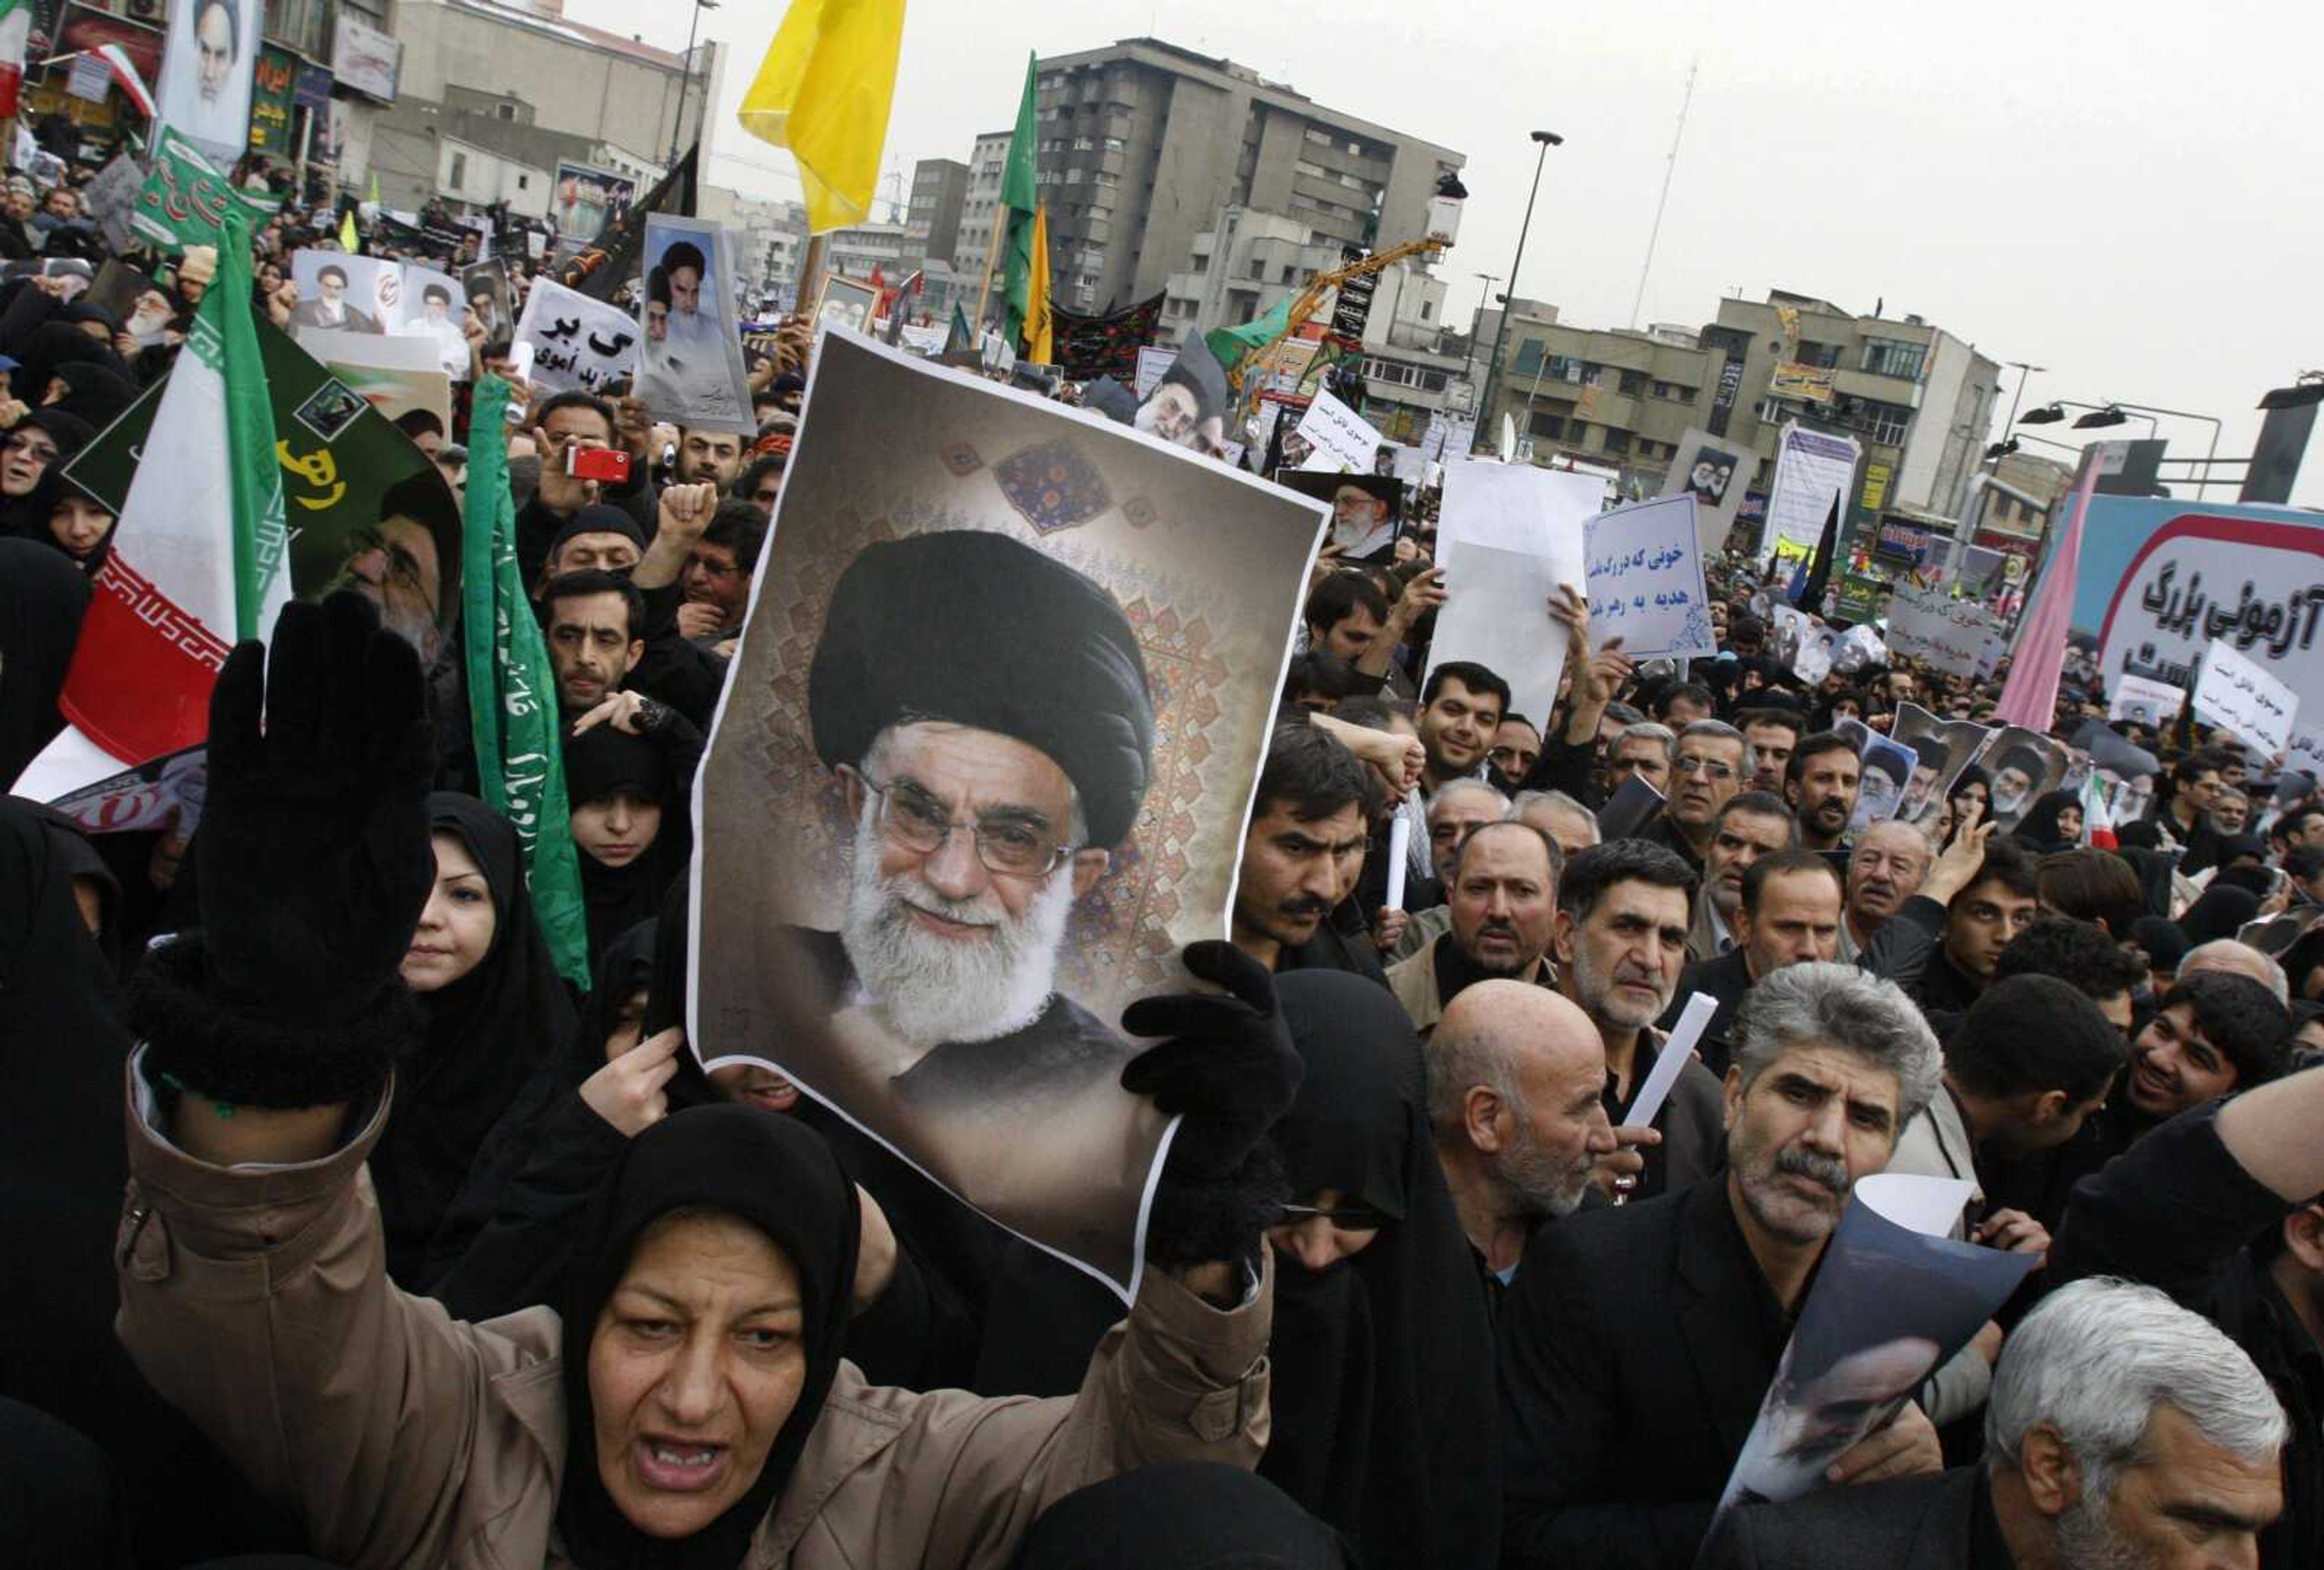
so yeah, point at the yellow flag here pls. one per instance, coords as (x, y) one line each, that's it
(1038, 345)
(824, 91)
(350, 241)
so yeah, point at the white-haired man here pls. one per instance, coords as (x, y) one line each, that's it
(1653, 1334)
(2123, 1432)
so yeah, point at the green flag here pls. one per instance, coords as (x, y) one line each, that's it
(512, 695)
(1019, 195)
(1230, 345)
(959, 337)
(185, 198)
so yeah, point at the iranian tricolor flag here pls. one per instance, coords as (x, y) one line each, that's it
(199, 560)
(15, 28)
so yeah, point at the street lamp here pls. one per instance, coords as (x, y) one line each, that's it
(686, 88)
(1545, 140)
(2026, 374)
(2116, 410)
(1469, 365)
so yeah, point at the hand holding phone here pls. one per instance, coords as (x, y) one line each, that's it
(608, 465)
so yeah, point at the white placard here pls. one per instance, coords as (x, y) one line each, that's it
(1400, 850)
(1812, 471)
(1693, 1022)
(1643, 569)
(1947, 632)
(2234, 691)
(1151, 364)
(1715, 472)
(577, 342)
(1539, 512)
(1343, 443)
(1497, 613)
(2144, 701)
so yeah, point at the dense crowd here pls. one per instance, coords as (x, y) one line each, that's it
(1409, 1260)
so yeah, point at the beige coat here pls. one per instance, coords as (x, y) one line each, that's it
(257, 1300)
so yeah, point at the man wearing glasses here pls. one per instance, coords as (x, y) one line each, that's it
(985, 708)
(716, 578)
(1708, 767)
(395, 565)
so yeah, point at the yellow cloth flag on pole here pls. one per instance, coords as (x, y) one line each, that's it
(1037, 319)
(350, 239)
(823, 92)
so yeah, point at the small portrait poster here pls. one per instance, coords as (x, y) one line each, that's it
(982, 770)
(207, 63)
(690, 367)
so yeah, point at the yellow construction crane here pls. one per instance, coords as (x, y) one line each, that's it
(1320, 289)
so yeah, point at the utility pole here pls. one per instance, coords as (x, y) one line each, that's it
(1654, 235)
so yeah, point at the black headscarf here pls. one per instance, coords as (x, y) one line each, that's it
(42, 597)
(598, 762)
(98, 392)
(2038, 830)
(1385, 1416)
(486, 1034)
(2220, 911)
(501, 1159)
(63, 1043)
(1183, 1516)
(53, 344)
(772, 1173)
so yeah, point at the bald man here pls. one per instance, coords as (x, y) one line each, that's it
(2234, 958)
(1515, 1077)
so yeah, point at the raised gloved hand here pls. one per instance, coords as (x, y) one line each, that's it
(313, 863)
(1228, 1068)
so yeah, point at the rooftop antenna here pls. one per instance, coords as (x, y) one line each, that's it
(1670, 171)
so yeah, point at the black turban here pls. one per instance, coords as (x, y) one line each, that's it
(978, 629)
(1198, 370)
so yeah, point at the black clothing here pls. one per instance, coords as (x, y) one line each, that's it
(1939, 1522)
(2175, 1211)
(1636, 1347)
(1332, 949)
(1183, 1516)
(1660, 830)
(775, 1175)
(1566, 766)
(1944, 991)
(656, 768)
(1727, 978)
(486, 1034)
(42, 598)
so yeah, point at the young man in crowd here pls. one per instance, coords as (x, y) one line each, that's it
(1820, 785)
(1502, 896)
(1303, 854)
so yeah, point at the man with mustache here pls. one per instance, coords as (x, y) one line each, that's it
(990, 782)
(1822, 786)
(1636, 1348)
(1752, 825)
(1887, 868)
(1789, 914)
(1304, 852)
(1502, 893)
(1708, 765)
(1620, 942)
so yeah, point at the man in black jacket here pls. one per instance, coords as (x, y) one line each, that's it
(2123, 1430)
(1638, 1344)
(2220, 1207)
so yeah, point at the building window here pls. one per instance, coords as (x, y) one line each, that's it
(1887, 358)
(1290, 271)
(1319, 136)
(459, 170)
(1563, 368)
(1617, 441)
(1258, 271)
(508, 111)
(1552, 425)
(1822, 356)
(1633, 383)
(1084, 144)
(1426, 307)
(524, 182)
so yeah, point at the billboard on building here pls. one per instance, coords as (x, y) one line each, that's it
(586, 199)
(365, 58)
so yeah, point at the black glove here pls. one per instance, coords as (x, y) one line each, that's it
(1228, 1068)
(313, 863)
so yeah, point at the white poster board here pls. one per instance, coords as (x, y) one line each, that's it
(2236, 692)
(1947, 632)
(1345, 444)
(577, 343)
(1812, 471)
(1151, 364)
(1497, 613)
(1644, 579)
(2144, 701)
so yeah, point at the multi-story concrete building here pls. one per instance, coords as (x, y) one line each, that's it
(932, 219)
(854, 253)
(1901, 384)
(518, 86)
(1143, 144)
(767, 238)
(1240, 269)
(980, 208)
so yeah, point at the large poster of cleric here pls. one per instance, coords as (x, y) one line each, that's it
(992, 734)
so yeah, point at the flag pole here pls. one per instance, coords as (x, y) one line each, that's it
(984, 289)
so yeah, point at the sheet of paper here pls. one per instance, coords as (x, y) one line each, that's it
(1497, 613)
(2145, 700)
(2236, 691)
(1344, 443)
(1693, 1022)
(1399, 847)
(1645, 579)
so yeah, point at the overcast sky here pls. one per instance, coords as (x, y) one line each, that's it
(2124, 193)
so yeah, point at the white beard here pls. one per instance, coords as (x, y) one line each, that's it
(932, 990)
